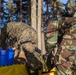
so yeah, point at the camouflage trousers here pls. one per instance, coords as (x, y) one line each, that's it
(66, 64)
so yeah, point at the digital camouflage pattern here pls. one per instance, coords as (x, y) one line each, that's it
(26, 39)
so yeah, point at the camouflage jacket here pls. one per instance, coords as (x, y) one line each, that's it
(27, 38)
(63, 47)
(66, 63)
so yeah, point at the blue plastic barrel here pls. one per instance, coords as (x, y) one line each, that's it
(3, 57)
(10, 56)
(6, 57)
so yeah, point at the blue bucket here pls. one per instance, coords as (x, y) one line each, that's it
(3, 57)
(10, 56)
(6, 57)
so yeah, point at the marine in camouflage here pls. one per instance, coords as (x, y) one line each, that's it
(26, 39)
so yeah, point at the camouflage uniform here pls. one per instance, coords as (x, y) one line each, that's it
(66, 63)
(63, 47)
(27, 39)
(51, 35)
(51, 42)
(71, 8)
